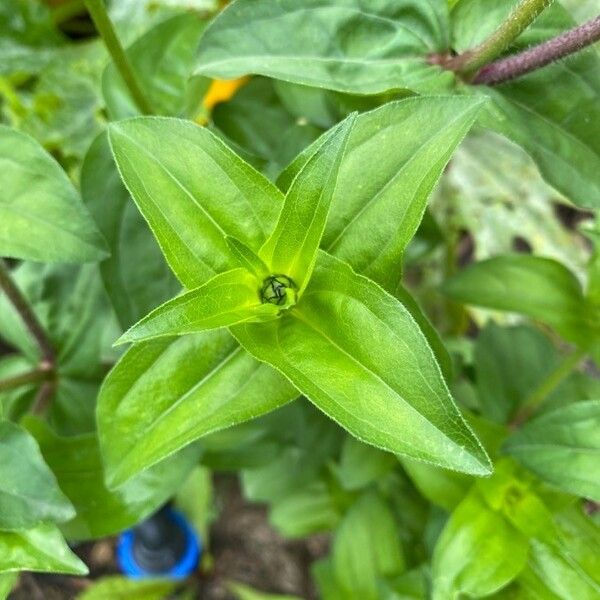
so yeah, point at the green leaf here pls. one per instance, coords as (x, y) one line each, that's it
(345, 45)
(510, 363)
(41, 215)
(220, 386)
(247, 258)
(245, 592)
(77, 464)
(122, 588)
(478, 552)
(292, 247)
(561, 447)
(29, 493)
(7, 582)
(394, 158)
(41, 549)
(162, 60)
(558, 127)
(366, 548)
(135, 275)
(540, 288)
(356, 353)
(361, 464)
(227, 299)
(211, 193)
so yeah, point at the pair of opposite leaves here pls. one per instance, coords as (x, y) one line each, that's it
(352, 349)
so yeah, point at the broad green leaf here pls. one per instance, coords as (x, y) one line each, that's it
(29, 493)
(559, 127)
(194, 196)
(135, 275)
(198, 384)
(394, 158)
(352, 46)
(561, 447)
(358, 355)
(77, 465)
(117, 587)
(162, 59)
(540, 288)
(292, 247)
(41, 216)
(366, 548)
(15, 402)
(41, 549)
(227, 299)
(478, 552)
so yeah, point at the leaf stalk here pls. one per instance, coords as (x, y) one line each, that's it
(105, 28)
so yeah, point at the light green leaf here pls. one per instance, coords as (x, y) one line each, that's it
(41, 215)
(366, 548)
(194, 196)
(292, 247)
(394, 158)
(41, 549)
(227, 299)
(346, 45)
(540, 288)
(77, 464)
(562, 447)
(245, 592)
(162, 60)
(357, 354)
(559, 127)
(478, 552)
(7, 582)
(136, 276)
(247, 258)
(123, 588)
(220, 386)
(29, 493)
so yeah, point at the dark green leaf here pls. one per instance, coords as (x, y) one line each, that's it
(540, 288)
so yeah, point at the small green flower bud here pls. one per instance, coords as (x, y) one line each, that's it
(279, 290)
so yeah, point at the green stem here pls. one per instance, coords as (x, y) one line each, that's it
(520, 18)
(539, 395)
(26, 313)
(106, 30)
(33, 376)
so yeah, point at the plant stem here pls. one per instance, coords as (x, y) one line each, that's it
(106, 30)
(27, 315)
(32, 376)
(539, 56)
(520, 18)
(539, 395)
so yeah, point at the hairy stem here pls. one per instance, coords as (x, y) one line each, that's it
(106, 30)
(539, 56)
(519, 19)
(539, 395)
(16, 381)
(27, 315)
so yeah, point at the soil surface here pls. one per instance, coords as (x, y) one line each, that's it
(243, 547)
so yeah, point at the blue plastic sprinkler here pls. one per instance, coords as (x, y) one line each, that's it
(164, 545)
